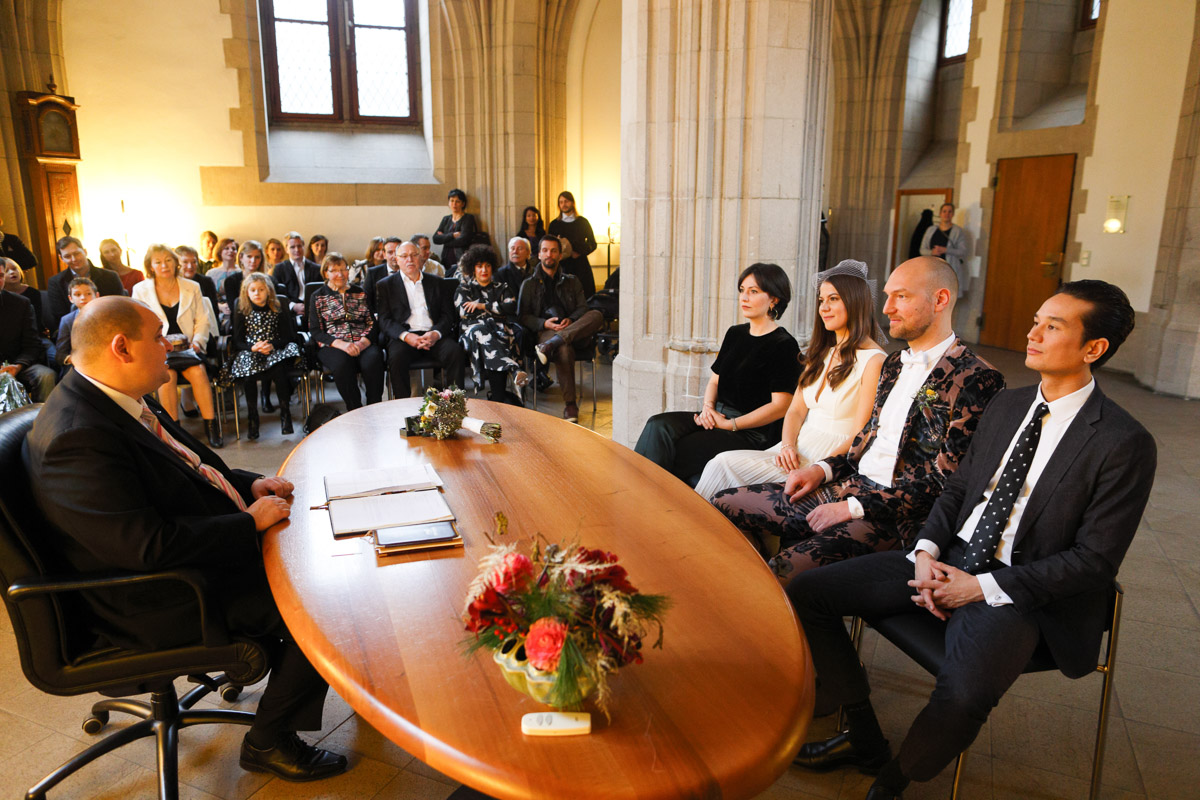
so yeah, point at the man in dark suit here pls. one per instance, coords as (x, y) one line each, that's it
(390, 266)
(155, 498)
(21, 348)
(12, 247)
(416, 312)
(1022, 547)
(291, 276)
(71, 251)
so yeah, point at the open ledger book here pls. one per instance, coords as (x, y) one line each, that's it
(415, 517)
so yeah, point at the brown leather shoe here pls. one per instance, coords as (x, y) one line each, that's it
(292, 759)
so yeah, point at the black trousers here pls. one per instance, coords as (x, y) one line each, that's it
(987, 647)
(676, 443)
(345, 369)
(446, 351)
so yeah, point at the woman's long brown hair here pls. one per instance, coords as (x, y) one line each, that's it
(860, 322)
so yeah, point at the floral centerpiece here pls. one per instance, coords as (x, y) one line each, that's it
(561, 620)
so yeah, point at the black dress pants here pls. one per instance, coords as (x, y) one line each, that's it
(987, 647)
(446, 351)
(345, 369)
(676, 443)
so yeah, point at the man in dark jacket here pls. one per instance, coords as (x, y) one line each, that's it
(71, 251)
(21, 351)
(554, 307)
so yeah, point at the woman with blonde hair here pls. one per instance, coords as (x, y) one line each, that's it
(110, 258)
(224, 262)
(265, 346)
(347, 336)
(180, 305)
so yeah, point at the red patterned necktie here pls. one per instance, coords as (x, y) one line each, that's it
(210, 474)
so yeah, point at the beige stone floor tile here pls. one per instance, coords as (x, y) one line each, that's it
(412, 786)
(63, 715)
(1158, 697)
(419, 767)
(1016, 780)
(1168, 760)
(364, 778)
(1188, 573)
(781, 791)
(1160, 646)
(20, 771)
(18, 734)
(1052, 687)
(356, 735)
(1153, 593)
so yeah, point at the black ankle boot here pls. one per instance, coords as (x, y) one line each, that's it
(266, 403)
(285, 417)
(252, 423)
(214, 433)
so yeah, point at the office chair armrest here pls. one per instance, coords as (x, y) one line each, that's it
(212, 628)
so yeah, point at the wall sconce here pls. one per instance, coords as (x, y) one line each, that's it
(1114, 215)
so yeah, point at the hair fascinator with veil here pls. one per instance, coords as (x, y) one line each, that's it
(854, 269)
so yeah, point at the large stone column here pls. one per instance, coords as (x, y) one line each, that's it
(722, 141)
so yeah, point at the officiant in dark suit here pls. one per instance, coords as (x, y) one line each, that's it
(126, 488)
(1022, 547)
(416, 312)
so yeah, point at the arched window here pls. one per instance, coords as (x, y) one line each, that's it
(956, 30)
(341, 60)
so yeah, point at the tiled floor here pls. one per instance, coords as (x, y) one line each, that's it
(1036, 745)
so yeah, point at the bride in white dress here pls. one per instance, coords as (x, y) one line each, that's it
(836, 391)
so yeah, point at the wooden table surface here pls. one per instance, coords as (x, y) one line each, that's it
(718, 712)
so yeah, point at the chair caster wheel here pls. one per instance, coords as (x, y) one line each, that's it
(230, 693)
(95, 722)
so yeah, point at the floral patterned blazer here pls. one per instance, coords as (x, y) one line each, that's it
(935, 438)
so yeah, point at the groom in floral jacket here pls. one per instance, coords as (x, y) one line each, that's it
(877, 496)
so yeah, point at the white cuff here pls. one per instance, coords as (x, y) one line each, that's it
(856, 509)
(928, 546)
(993, 595)
(828, 472)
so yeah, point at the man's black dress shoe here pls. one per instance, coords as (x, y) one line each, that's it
(877, 792)
(838, 751)
(293, 759)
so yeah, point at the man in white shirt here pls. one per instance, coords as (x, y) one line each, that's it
(291, 276)
(877, 495)
(416, 312)
(1021, 548)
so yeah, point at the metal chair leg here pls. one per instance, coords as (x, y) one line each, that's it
(959, 768)
(1110, 662)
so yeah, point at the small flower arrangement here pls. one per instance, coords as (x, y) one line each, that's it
(563, 619)
(926, 399)
(443, 412)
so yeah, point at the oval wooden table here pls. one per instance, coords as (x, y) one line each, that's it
(718, 712)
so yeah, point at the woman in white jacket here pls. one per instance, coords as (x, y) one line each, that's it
(179, 303)
(947, 240)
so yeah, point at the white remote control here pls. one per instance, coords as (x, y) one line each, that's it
(556, 723)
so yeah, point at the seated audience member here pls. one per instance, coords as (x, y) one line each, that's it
(360, 271)
(21, 351)
(249, 259)
(14, 281)
(876, 495)
(456, 232)
(1019, 551)
(110, 259)
(753, 379)
(275, 252)
(416, 313)
(226, 264)
(208, 250)
(578, 231)
(391, 260)
(180, 305)
(552, 305)
(265, 346)
(12, 247)
(189, 267)
(156, 499)
(82, 292)
(484, 306)
(836, 391)
(291, 276)
(531, 228)
(318, 246)
(71, 251)
(346, 333)
(520, 266)
(429, 264)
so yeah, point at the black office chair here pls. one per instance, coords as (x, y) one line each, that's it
(59, 654)
(922, 637)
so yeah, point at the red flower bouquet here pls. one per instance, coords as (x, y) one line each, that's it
(561, 621)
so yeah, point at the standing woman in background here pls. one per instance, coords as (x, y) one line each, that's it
(456, 232)
(836, 392)
(225, 263)
(318, 245)
(946, 240)
(532, 228)
(753, 379)
(110, 258)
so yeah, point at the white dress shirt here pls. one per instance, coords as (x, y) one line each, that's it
(299, 267)
(418, 316)
(878, 463)
(1054, 425)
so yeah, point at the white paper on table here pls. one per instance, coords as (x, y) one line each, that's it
(360, 514)
(363, 483)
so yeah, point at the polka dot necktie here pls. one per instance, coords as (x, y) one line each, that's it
(977, 554)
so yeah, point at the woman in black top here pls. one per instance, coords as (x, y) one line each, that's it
(456, 231)
(346, 333)
(753, 380)
(532, 229)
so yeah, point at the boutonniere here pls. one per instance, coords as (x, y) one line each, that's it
(927, 399)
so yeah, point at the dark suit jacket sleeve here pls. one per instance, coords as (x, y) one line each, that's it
(572, 293)
(62, 344)
(60, 304)
(441, 310)
(529, 315)
(18, 252)
(1102, 532)
(23, 332)
(109, 283)
(111, 515)
(392, 307)
(285, 280)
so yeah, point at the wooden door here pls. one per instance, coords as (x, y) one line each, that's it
(1028, 236)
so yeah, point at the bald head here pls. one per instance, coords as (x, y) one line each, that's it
(920, 301)
(118, 342)
(101, 321)
(932, 273)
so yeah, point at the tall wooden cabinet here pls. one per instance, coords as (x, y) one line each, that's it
(48, 137)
